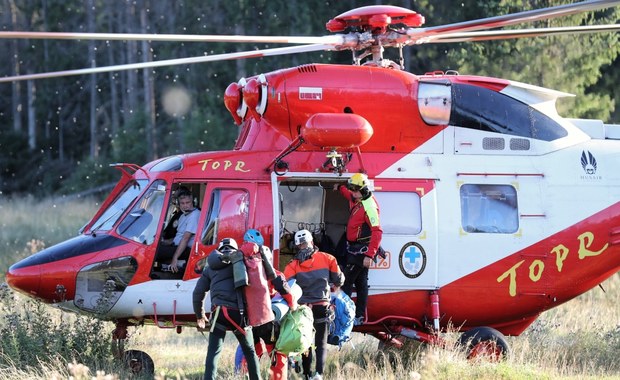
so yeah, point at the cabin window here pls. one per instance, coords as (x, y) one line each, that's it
(118, 207)
(480, 108)
(98, 286)
(227, 216)
(400, 212)
(141, 223)
(489, 209)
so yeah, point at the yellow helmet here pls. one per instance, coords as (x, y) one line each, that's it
(358, 181)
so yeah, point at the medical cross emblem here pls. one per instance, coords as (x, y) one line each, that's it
(412, 260)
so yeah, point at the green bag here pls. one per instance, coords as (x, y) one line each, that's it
(296, 331)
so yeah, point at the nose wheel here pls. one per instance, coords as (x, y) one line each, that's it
(137, 362)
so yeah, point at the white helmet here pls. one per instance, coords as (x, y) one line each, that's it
(228, 243)
(303, 236)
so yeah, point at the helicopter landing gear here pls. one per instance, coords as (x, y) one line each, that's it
(136, 361)
(485, 343)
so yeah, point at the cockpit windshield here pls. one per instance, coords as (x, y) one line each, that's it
(141, 223)
(118, 207)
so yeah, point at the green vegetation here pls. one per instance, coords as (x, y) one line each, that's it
(29, 224)
(33, 335)
(553, 348)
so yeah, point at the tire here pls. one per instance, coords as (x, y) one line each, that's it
(486, 343)
(138, 362)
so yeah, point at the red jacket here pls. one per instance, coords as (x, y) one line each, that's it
(360, 227)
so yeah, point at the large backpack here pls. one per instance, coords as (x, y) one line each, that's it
(296, 331)
(344, 315)
(256, 293)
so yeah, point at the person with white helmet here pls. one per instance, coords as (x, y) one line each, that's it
(313, 271)
(227, 314)
(364, 235)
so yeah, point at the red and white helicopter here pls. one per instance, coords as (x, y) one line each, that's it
(477, 179)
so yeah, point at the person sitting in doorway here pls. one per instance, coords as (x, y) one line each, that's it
(178, 248)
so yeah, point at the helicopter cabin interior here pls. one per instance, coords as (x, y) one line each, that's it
(313, 205)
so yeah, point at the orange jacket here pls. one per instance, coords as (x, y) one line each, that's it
(314, 276)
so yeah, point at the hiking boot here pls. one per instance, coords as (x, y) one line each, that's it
(358, 321)
(317, 376)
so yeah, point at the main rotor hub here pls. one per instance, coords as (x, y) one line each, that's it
(375, 19)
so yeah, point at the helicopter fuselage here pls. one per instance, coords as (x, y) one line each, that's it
(493, 207)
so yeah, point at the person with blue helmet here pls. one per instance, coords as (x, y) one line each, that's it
(269, 331)
(254, 236)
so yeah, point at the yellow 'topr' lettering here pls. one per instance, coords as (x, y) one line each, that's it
(561, 252)
(214, 165)
(512, 272)
(585, 241)
(536, 270)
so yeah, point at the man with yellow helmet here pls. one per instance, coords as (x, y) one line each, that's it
(363, 239)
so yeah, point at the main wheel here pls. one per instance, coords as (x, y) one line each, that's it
(138, 362)
(485, 342)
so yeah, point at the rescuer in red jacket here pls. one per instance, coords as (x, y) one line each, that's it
(363, 239)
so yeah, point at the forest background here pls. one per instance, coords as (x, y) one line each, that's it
(59, 135)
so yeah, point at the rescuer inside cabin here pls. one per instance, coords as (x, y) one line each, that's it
(363, 239)
(178, 248)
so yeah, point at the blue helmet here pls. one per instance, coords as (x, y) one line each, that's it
(253, 236)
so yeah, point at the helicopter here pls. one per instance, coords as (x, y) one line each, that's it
(471, 174)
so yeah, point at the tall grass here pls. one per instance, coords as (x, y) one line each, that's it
(577, 340)
(27, 224)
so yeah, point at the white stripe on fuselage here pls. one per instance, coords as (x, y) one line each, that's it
(560, 197)
(165, 297)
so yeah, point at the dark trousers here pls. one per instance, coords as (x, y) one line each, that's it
(356, 274)
(216, 340)
(319, 312)
(165, 253)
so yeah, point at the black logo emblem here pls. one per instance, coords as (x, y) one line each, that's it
(412, 260)
(588, 162)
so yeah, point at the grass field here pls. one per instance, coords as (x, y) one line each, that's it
(577, 340)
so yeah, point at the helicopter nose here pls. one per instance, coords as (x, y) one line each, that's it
(26, 280)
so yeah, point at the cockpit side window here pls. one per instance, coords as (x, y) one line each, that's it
(141, 223)
(110, 216)
(227, 215)
(487, 110)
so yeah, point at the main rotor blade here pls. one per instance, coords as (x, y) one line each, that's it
(178, 61)
(518, 33)
(418, 34)
(330, 39)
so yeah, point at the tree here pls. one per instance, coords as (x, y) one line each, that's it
(566, 63)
